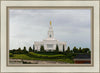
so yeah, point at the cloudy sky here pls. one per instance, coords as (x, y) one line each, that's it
(29, 25)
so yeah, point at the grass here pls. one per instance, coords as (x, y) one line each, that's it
(57, 56)
(20, 56)
(42, 57)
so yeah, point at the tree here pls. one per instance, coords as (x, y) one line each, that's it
(80, 50)
(75, 50)
(30, 49)
(42, 49)
(63, 48)
(85, 50)
(89, 52)
(57, 48)
(14, 51)
(33, 48)
(71, 51)
(68, 50)
(19, 51)
(24, 50)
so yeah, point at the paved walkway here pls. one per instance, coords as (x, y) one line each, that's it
(19, 61)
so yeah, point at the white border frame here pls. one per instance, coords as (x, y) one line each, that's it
(4, 68)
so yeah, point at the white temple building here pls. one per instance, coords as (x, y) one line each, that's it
(50, 43)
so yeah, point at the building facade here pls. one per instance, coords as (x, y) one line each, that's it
(50, 43)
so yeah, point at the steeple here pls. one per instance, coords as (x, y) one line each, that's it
(50, 32)
(50, 23)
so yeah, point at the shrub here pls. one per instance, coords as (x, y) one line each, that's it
(30, 49)
(10, 54)
(42, 49)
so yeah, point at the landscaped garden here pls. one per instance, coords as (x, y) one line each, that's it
(66, 56)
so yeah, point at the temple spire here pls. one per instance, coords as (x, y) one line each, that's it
(50, 32)
(50, 23)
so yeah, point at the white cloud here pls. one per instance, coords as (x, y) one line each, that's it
(69, 25)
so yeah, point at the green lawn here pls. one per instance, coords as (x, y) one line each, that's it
(42, 57)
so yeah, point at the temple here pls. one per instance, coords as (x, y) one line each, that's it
(50, 43)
